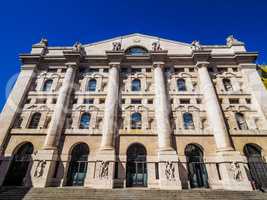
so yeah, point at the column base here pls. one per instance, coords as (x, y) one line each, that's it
(169, 178)
(103, 170)
(43, 168)
(233, 171)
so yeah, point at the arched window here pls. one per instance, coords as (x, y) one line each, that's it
(47, 85)
(136, 51)
(85, 121)
(78, 165)
(136, 121)
(181, 85)
(20, 164)
(91, 85)
(241, 121)
(136, 85)
(18, 122)
(197, 172)
(136, 166)
(188, 121)
(257, 165)
(35, 120)
(227, 84)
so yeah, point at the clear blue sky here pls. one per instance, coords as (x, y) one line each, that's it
(64, 22)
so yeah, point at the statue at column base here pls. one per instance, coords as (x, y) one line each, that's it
(103, 170)
(43, 168)
(169, 178)
(233, 170)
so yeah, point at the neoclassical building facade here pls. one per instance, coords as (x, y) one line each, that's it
(136, 111)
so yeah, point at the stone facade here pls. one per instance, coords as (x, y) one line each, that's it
(135, 111)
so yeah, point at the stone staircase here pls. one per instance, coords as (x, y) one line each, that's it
(125, 194)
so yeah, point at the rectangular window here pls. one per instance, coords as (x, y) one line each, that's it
(54, 101)
(135, 70)
(198, 101)
(28, 101)
(191, 69)
(136, 101)
(63, 70)
(150, 101)
(248, 100)
(234, 101)
(88, 101)
(101, 101)
(235, 69)
(40, 101)
(148, 69)
(105, 70)
(122, 101)
(184, 101)
(178, 70)
(171, 100)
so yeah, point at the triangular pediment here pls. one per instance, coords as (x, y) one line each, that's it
(137, 39)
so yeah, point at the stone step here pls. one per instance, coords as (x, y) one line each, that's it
(124, 194)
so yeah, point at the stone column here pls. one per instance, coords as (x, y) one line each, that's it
(10, 111)
(214, 112)
(106, 154)
(15, 102)
(230, 161)
(167, 156)
(49, 153)
(60, 109)
(111, 107)
(162, 111)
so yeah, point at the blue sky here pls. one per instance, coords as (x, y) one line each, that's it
(64, 22)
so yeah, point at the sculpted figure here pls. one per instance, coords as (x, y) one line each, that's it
(77, 47)
(116, 46)
(103, 172)
(156, 46)
(237, 174)
(40, 168)
(169, 171)
(196, 45)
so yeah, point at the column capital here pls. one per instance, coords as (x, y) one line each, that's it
(114, 64)
(73, 65)
(160, 64)
(29, 67)
(200, 64)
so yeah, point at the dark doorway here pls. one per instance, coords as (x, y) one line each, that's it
(257, 166)
(78, 165)
(19, 166)
(197, 172)
(136, 167)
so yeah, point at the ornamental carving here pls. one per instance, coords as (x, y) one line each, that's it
(170, 171)
(156, 46)
(196, 45)
(39, 170)
(236, 171)
(103, 170)
(116, 46)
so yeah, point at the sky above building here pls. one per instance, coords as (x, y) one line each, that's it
(24, 23)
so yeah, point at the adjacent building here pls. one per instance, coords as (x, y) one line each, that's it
(136, 111)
